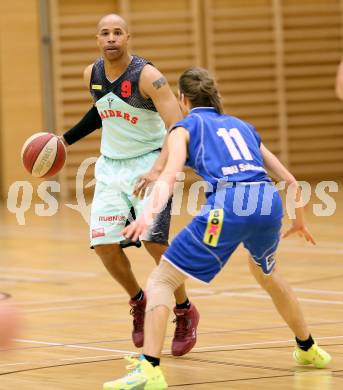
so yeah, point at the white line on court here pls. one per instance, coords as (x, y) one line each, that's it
(77, 299)
(316, 291)
(14, 364)
(92, 359)
(328, 244)
(216, 290)
(60, 308)
(72, 346)
(37, 342)
(261, 296)
(199, 294)
(97, 357)
(166, 352)
(48, 272)
(267, 297)
(15, 278)
(75, 359)
(326, 251)
(291, 341)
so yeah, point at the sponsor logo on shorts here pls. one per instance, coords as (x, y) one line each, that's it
(156, 233)
(120, 219)
(214, 227)
(99, 232)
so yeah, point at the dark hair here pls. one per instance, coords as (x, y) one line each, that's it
(200, 88)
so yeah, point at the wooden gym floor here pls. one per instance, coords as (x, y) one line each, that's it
(76, 324)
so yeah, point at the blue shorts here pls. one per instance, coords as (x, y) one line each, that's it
(249, 214)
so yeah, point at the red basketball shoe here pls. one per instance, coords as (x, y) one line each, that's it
(185, 335)
(138, 313)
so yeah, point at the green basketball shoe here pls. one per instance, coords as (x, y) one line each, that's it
(315, 355)
(142, 376)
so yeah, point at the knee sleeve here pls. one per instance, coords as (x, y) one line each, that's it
(162, 283)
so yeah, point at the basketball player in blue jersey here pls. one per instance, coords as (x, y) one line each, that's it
(242, 206)
(134, 105)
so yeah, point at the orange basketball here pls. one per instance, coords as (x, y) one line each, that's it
(43, 154)
(8, 324)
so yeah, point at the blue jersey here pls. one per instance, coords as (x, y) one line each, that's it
(222, 147)
(226, 149)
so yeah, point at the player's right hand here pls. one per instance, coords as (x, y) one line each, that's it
(145, 183)
(138, 227)
(302, 231)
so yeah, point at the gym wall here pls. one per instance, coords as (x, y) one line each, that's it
(21, 104)
(275, 62)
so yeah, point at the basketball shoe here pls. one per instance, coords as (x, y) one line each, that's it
(185, 335)
(142, 376)
(138, 313)
(315, 355)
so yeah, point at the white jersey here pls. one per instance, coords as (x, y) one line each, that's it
(131, 125)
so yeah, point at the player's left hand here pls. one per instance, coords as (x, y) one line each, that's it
(302, 231)
(63, 140)
(136, 228)
(145, 182)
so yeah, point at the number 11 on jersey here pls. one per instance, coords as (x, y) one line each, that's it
(235, 144)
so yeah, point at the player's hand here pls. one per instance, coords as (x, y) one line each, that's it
(144, 183)
(136, 228)
(63, 140)
(302, 231)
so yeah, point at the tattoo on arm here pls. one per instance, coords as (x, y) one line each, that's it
(159, 83)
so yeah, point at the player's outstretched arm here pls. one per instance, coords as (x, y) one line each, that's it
(154, 85)
(163, 188)
(274, 165)
(90, 122)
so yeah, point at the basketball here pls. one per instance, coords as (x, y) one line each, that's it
(8, 324)
(43, 154)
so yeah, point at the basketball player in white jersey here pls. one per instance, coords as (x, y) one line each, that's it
(134, 105)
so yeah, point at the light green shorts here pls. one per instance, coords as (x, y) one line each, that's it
(113, 200)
